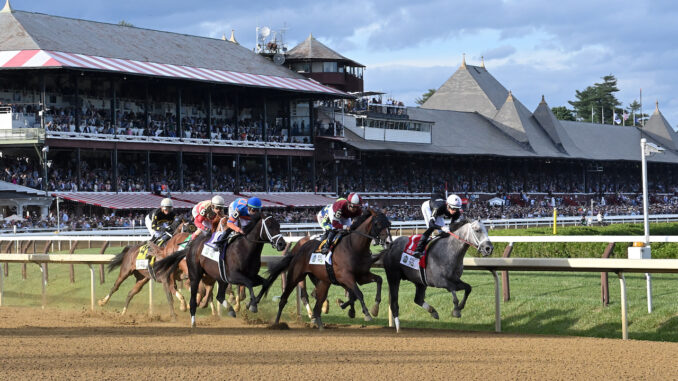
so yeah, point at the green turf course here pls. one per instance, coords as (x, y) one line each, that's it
(541, 303)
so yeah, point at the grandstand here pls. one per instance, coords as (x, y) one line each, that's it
(117, 117)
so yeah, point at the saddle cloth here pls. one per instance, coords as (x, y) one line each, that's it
(410, 247)
(144, 260)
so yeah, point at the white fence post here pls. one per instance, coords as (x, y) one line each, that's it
(92, 280)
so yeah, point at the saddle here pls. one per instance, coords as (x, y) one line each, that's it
(337, 238)
(145, 260)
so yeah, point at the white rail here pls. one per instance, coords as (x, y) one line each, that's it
(618, 266)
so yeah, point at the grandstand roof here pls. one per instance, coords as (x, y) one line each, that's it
(146, 200)
(9, 187)
(314, 50)
(659, 129)
(39, 40)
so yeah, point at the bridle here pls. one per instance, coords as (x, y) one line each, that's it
(375, 236)
(272, 239)
(476, 244)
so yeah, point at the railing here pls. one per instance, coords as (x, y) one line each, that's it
(618, 266)
(176, 141)
(34, 135)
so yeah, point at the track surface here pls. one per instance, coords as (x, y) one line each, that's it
(59, 344)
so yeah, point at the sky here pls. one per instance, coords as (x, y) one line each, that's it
(532, 47)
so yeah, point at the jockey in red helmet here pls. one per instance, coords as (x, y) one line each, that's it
(337, 216)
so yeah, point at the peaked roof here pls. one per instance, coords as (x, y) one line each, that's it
(555, 129)
(313, 50)
(659, 129)
(36, 31)
(470, 88)
(512, 121)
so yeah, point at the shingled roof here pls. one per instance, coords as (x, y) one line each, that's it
(470, 88)
(313, 50)
(659, 129)
(36, 31)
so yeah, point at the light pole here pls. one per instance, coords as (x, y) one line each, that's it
(647, 149)
(45, 149)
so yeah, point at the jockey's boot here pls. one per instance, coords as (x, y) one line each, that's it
(419, 251)
(330, 237)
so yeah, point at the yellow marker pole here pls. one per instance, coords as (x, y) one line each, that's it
(555, 220)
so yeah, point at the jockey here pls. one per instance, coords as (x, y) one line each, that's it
(158, 222)
(435, 210)
(240, 211)
(337, 216)
(206, 213)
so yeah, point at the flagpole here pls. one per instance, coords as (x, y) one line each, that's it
(592, 119)
(602, 115)
(642, 122)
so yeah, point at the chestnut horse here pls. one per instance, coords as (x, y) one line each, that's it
(351, 262)
(126, 260)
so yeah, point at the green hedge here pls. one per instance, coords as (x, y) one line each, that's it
(582, 249)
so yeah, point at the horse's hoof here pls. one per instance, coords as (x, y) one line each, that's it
(339, 302)
(236, 307)
(351, 313)
(101, 303)
(368, 318)
(183, 308)
(456, 313)
(434, 315)
(375, 310)
(231, 313)
(253, 308)
(321, 327)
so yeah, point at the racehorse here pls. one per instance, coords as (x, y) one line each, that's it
(351, 262)
(126, 260)
(242, 261)
(444, 266)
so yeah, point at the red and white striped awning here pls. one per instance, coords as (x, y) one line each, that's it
(46, 58)
(110, 200)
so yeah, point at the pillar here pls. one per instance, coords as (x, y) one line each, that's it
(148, 170)
(180, 126)
(180, 162)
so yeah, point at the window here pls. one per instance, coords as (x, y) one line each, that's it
(330, 67)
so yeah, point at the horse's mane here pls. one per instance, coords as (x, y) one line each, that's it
(250, 226)
(360, 219)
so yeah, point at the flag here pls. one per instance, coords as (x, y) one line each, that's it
(625, 115)
(618, 121)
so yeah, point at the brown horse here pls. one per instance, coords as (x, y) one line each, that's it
(351, 262)
(242, 261)
(126, 260)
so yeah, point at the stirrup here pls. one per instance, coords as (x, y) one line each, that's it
(417, 254)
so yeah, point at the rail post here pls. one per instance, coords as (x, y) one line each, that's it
(24, 250)
(45, 251)
(92, 285)
(604, 286)
(504, 274)
(624, 312)
(150, 297)
(497, 302)
(2, 287)
(44, 285)
(72, 267)
(102, 276)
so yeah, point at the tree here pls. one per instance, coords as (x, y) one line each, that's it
(563, 113)
(424, 97)
(597, 99)
(125, 23)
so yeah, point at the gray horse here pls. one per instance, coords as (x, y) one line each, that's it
(444, 266)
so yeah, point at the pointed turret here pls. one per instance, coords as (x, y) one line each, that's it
(555, 130)
(471, 89)
(659, 129)
(232, 38)
(463, 60)
(482, 62)
(7, 8)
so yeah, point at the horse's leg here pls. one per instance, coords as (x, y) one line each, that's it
(460, 285)
(183, 305)
(419, 299)
(221, 298)
(369, 278)
(205, 294)
(141, 281)
(116, 285)
(231, 295)
(353, 286)
(197, 273)
(239, 278)
(304, 298)
(393, 289)
(349, 303)
(166, 285)
(326, 304)
(289, 287)
(321, 289)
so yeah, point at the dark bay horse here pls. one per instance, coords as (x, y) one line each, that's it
(444, 267)
(126, 260)
(351, 262)
(242, 260)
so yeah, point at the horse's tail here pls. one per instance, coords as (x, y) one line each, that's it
(274, 271)
(167, 265)
(117, 260)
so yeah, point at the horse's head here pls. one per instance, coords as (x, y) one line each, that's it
(270, 232)
(379, 229)
(473, 232)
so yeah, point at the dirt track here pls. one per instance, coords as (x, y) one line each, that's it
(57, 344)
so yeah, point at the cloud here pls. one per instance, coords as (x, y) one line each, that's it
(499, 52)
